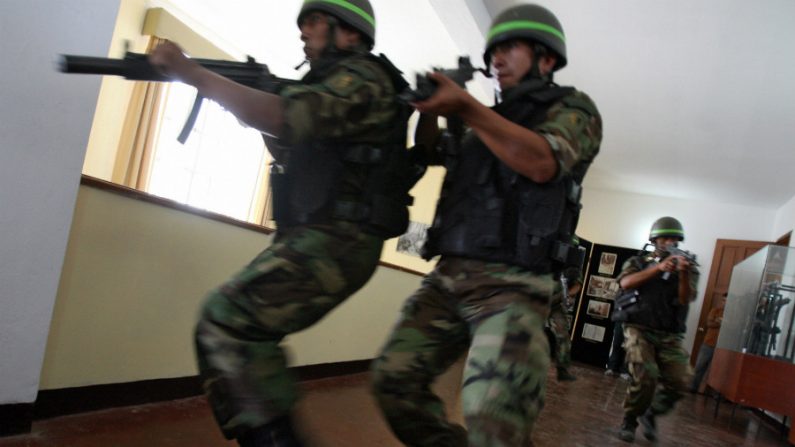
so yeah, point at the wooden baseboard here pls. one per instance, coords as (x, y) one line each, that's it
(15, 419)
(18, 418)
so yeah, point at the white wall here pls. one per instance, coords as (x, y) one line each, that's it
(624, 219)
(44, 122)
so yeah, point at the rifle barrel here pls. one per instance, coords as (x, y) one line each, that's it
(138, 69)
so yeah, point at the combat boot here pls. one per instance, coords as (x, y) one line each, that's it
(278, 433)
(626, 432)
(649, 425)
(565, 376)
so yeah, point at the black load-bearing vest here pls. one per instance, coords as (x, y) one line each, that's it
(656, 304)
(489, 212)
(319, 184)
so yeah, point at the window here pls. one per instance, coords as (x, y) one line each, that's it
(222, 167)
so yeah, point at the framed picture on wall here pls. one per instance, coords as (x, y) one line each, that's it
(602, 287)
(403, 252)
(410, 243)
(593, 332)
(598, 309)
(607, 263)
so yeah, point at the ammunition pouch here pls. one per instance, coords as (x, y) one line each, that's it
(626, 303)
(568, 255)
(318, 191)
(279, 193)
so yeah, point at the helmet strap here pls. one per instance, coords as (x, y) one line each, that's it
(539, 51)
(331, 45)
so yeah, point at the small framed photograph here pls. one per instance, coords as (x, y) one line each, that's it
(602, 287)
(411, 242)
(593, 332)
(607, 263)
(598, 309)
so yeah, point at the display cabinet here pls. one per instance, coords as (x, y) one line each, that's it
(753, 361)
(759, 309)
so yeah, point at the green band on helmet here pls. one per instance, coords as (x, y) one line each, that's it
(347, 5)
(525, 24)
(667, 231)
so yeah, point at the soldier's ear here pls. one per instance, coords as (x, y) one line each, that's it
(348, 37)
(547, 63)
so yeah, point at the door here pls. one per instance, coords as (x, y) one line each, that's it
(727, 254)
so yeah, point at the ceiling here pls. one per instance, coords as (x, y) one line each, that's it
(697, 97)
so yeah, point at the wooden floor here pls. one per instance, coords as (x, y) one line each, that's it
(340, 413)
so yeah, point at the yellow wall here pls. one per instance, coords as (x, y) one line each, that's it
(132, 31)
(135, 274)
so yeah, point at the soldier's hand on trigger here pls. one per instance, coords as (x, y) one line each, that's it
(682, 263)
(668, 264)
(448, 98)
(672, 263)
(169, 59)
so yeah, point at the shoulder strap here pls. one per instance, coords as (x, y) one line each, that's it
(394, 74)
(551, 94)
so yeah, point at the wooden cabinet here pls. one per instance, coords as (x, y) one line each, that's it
(755, 381)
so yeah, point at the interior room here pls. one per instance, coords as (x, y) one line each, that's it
(112, 233)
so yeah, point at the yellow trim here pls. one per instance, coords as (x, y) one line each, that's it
(160, 23)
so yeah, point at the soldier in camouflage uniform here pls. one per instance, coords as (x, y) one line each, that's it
(503, 224)
(654, 326)
(340, 188)
(559, 322)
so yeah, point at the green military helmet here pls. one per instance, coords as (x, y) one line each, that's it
(529, 22)
(667, 227)
(358, 14)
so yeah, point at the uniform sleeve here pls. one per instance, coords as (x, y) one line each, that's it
(694, 276)
(574, 131)
(348, 103)
(631, 265)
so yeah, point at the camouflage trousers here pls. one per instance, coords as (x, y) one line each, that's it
(497, 313)
(303, 275)
(559, 325)
(654, 358)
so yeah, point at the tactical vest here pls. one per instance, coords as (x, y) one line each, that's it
(489, 212)
(657, 305)
(321, 180)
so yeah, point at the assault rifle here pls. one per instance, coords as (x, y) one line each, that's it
(136, 67)
(676, 251)
(426, 87)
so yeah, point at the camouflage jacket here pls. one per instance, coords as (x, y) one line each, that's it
(352, 99)
(492, 213)
(343, 154)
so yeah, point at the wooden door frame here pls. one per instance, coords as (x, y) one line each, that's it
(711, 291)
